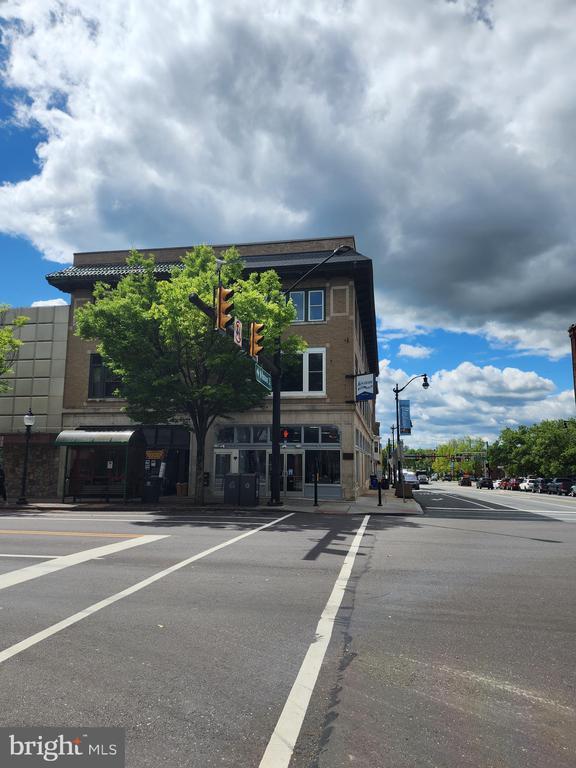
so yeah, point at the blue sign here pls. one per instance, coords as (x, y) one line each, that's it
(405, 422)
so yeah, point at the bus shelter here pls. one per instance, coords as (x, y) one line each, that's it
(103, 464)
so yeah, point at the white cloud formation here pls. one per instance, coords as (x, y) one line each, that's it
(50, 303)
(440, 133)
(414, 350)
(470, 400)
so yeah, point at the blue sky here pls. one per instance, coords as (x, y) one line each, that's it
(445, 147)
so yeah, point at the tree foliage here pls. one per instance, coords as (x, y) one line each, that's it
(9, 344)
(174, 367)
(546, 449)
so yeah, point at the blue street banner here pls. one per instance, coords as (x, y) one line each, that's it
(405, 422)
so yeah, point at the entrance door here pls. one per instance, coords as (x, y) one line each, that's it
(291, 469)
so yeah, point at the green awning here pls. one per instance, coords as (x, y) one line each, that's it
(84, 437)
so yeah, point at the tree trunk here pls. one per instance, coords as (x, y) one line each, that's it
(200, 435)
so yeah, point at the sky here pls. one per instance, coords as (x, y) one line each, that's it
(440, 133)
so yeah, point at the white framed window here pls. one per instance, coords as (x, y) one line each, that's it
(310, 305)
(306, 373)
(299, 301)
(315, 306)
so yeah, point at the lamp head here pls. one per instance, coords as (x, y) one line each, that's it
(342, 249)
(425, 383)
(29, 418)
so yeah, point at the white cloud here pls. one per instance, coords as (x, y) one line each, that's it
(470, 400)
(440, 133)
(50, 303)
(414, 350)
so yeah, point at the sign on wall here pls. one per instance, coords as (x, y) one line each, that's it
(365, 387)
(405, 422)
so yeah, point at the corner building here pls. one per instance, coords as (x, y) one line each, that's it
(322, 425)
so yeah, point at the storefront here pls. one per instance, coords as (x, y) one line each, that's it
(305, 449)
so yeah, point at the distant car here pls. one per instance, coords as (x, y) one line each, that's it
(497, 483)
(422, 479)
(540, 485)
(503, 485)
(528, 483)
(465, 481)
(513, 484)
(446, 477)
(411, 479)
(484, 482)
(572, 491)
(561, 486)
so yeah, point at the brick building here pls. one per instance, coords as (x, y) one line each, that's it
(321, 424)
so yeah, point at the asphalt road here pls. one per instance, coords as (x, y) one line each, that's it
(317, 641)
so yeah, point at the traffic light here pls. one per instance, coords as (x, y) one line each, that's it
(224, 308)
(255, 339)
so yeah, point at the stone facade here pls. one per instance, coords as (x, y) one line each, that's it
(37, 383)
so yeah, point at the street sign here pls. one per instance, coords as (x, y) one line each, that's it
(263, 377)
(237, 332)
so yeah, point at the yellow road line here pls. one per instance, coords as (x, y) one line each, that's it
(72, 533)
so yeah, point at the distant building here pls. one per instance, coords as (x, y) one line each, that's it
(322, 425)
(572, 333)
(37, 382)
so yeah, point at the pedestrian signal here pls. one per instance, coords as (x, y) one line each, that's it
(256, 339)
(224, 308)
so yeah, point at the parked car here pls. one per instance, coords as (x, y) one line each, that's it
(572, 491)
(497, 483)
(513, 484)
(528, 483)
(422, 479)
(561, 486)
(446, 477)
(484, 482)
(465, 481)
(540, 485)
(503, 485)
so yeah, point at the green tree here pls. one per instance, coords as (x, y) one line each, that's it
(174, 367)
(9, 345)
(463, 455)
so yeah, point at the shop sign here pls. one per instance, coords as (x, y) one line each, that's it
(365, 387)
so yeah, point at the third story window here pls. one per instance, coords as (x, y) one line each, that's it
(102, 382)
(309, 305)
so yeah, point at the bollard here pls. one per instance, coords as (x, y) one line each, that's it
(380, 493)
(316, 484)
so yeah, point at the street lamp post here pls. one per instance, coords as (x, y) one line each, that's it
(397, 390)
(29, 420)
(277, 389)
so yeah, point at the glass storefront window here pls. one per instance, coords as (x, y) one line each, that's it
(252, 461)
(311, 434)
(291, 434)
(243, 435)
(328, 463)
(330, 435)
(260, 434)
(222, 465)
(225, 435)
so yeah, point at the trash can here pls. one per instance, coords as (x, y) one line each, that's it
(385, 483)
(249, 490)
(232, 489)
(152, 488)
(374, 482)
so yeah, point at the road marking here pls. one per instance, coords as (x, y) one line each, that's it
(482, 506)
(281, 746)
(66, 561)
(38, 557)
(28, 642)
(24, 532)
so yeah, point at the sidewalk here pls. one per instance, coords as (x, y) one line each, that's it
(177, 505)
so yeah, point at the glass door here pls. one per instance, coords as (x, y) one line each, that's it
(291, 472)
